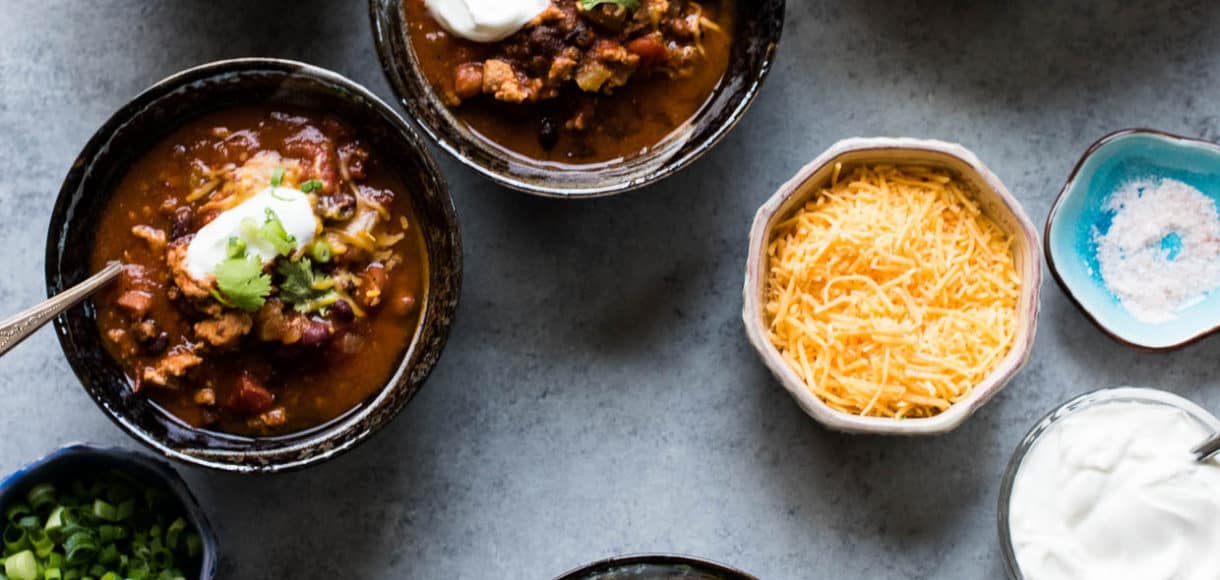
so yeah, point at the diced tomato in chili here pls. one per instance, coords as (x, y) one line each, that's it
(250, 396)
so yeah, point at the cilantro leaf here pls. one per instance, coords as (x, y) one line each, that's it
(591, 4)
(297, 286)
(273, 231)
(242, 283)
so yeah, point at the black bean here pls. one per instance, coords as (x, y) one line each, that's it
(548, 134)
(581, 36)
(342, 311)
(182, 223)
(157, 344)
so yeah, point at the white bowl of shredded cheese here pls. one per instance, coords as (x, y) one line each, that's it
(892, 286)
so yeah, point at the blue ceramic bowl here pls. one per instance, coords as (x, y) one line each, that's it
(72, 460)
(1071, 249)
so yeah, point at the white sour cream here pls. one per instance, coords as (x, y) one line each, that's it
(1112, 492)
(485, 20)
(210, 245)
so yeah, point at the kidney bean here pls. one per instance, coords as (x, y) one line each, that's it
(649, 48)
(314, 333)
(250, 396)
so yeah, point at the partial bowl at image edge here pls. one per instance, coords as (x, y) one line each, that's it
(153, 114)
(995, 199)
(749, 66)
(1031, 438)
(700, 565)
(72, 458)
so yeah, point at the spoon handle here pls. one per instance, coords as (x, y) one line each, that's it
(1208, 448)
(23, 324)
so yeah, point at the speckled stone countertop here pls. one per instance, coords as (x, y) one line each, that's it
(598, 395)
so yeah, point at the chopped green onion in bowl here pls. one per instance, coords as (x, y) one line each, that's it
(102, 526)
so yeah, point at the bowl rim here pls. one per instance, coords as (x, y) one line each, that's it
(660, 558)
(1007, 368)
(297, 455)
(165, 474)
(382, 28)
(1060, 412)
(1052, 219)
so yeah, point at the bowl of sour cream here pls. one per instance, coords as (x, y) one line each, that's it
(1106, 487)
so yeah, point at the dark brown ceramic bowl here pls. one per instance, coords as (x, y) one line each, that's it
(143, 122)
(655, 567)
(759, 25)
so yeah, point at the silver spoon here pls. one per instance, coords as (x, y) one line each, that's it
(23, 324)
(1208, 449)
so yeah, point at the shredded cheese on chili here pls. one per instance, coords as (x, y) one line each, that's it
(890, 293)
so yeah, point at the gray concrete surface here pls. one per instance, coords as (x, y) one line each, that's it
(598, 396)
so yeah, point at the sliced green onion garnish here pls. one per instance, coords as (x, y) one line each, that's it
(194, 545)
(312, 185)
(80, 547)
(162, 558)
(21, 566)
(42, 544)
(321, 251)
(236, 247)
(108, 555)
(55, 520)
(277, 177)
(16, 539)
(41, 496)
(15, 512)
(105, 511)
(173, 532)
(126, 509)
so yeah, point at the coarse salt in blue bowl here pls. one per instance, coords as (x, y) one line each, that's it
(1080, 215)
(75, 459)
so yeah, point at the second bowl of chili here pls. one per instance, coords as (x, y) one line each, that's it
(587, 99)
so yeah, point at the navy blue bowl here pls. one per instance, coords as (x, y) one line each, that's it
(72, 460)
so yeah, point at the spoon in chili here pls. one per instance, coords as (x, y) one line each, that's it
(20, 326)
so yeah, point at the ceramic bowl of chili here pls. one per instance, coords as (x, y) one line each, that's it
(96, 185)
(71, 463)
(556, 140)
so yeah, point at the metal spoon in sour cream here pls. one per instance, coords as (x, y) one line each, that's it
(485, 20)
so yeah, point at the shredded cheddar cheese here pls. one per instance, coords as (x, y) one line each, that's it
(890, 293)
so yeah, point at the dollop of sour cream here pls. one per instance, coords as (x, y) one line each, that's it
(1112, 492)
(485, 20)
(210, 246)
